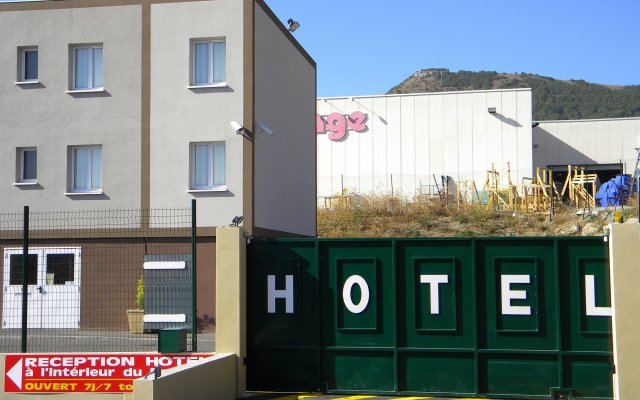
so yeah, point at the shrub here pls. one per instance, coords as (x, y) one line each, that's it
(140, 294)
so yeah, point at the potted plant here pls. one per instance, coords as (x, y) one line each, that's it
(136, 317)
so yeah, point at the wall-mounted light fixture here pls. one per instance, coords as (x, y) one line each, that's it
(293, 25)
(492, 110)
(236, 220)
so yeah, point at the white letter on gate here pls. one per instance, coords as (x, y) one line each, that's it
(346, 294)
(508, 295)
(273, 294)
(590, 298)
(434, 281)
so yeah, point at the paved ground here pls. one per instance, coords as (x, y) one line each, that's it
(320, 396)
(61, 341)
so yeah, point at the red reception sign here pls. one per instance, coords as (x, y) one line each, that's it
(53, 373)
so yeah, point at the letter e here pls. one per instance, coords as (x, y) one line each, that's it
(508, 294)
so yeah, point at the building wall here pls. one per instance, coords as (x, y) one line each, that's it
(180, 115)
(109, 270)
(45, 116)
(285, 101)
(578, 142)
(410, 138)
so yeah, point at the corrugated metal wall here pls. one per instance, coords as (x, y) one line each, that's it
(587, 142)
(410, 138)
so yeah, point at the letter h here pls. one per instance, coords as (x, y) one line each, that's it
(273, 294)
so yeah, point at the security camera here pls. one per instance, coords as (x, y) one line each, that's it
(237, 127)
(265, 129)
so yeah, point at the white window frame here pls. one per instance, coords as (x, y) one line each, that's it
(42, 253)
(210, 187)
(22, 79)
(90, 190)
(91, 87)
(21, 179)
(210, 82)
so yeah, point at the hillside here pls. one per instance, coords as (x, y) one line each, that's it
(552, 99)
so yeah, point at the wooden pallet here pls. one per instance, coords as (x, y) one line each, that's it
(580, 187)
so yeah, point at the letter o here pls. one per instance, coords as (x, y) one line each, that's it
(346, 294)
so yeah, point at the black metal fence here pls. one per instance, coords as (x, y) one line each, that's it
(98, 281)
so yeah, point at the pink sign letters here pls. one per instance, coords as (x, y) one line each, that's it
(337, 124)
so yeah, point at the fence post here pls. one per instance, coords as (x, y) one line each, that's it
(25, 283)
(194, 298)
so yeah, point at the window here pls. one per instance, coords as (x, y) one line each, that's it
(208, 63)
(86, 169)
(87, 68)
(28, 64)
(50, 266)
(60, 268)
(27, 165)
(208, 166)
(16, 269)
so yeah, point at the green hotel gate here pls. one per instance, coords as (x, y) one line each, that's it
(496, 317)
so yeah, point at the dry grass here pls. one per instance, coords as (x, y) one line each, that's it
(386, 216)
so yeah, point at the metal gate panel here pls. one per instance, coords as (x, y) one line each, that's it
(433, 341)
(586, 357)
(168, 292)
(284, 350)
(354, 335)
(470, 317)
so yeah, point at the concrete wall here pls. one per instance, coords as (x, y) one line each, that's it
(231, 300)
(592, 141)
(285, 100)
(207, 379)
(180, 115)
(625, 280)
(45, 116)
(412, 137)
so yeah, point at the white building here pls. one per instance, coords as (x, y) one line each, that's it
(147, 104)
(590, 142)
(398, 143)
(403, 144)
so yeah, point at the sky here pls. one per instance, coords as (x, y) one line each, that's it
(365, 47)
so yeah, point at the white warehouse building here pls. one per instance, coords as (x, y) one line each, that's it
(404, 144)
(591, 142)
(408, 139)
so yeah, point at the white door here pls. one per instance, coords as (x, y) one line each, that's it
(12, 290)
(53, 278)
